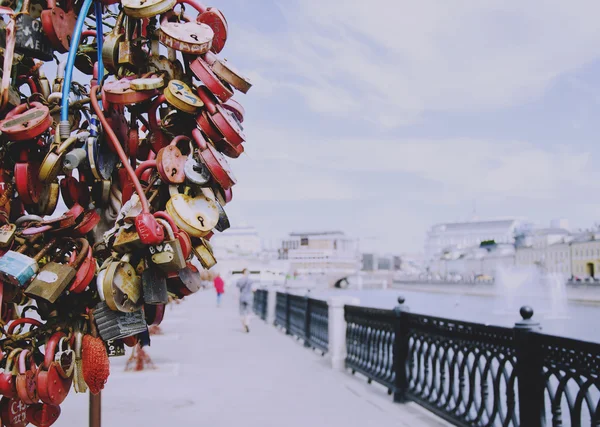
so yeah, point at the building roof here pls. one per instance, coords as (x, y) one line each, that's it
(474, 225)
(550, 231)
(316, 233)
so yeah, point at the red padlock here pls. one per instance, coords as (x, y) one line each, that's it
(149, 230)
(26, 379)
(170, 163)
(13, 412)
(215, 162)
(27, 182)
(58, 26)
(183, 237)
(218, 87)
(52, 387)
(85, 273)
(215, 20)
(26, 121)
(120, 92)
(42, 414)
(8, 384)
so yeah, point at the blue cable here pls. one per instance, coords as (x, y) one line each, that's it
(99, 40)
(65, 127)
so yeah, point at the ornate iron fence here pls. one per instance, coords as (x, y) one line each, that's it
(370, 342)
(477, 375)
(260, 303)
(305, 318)
(281, 310)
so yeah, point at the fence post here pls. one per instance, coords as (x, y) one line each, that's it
(337, 329)
(306, 321)
(400, 359)
(287, 314)
(271, 304)
(529, 370)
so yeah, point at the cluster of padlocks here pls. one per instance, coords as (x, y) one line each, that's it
(136, 153)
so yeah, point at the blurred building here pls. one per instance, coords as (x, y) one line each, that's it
(320, 252)
(375, 262)
(585, 255)
(461, 235)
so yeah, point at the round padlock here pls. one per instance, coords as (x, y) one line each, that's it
(180, 96)
(187, 37)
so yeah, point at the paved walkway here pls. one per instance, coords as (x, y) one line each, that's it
(209, 373)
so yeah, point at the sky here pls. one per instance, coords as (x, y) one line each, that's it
(382, 118)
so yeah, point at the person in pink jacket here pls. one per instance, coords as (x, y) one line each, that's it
(219, 287)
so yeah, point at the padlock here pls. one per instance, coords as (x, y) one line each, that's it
(7, 235)
(78, 382)
(196, 172)
(196, 215)
(18, 269)
(214, 161)
(26, 378)
(65, 358)
(116, 325)
(147, 8)
(111, 43)
(180, 96)
(51, 386)
(184, 238)
(228, 73)
(154, 283)
(188, 37)
(205, 255)
(85, 274)
(223, 223)
(217, 22)
(31, 40)
(127, 240)
(8, 385)
(13, 412)
(58, 26)
(170, 66)
(170, 163)
(53, 162)
(168, 256)
(27, 182)
(26, 122)
(205, 74)
(120, 92)
(130, 52)
(235, 108)
(121, 286)
(42, 414)
(185, 282)
(54, 278)
(154, 314)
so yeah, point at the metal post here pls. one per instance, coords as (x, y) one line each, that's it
(529, 370)
(95, 409)
(287, 314)
(306, 322)
(400, 357)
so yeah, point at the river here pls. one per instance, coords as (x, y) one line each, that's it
(562, 318)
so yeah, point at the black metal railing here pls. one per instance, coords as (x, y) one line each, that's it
(260, 303)
(303, 317)
(477, 375)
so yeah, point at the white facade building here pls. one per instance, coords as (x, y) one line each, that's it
(327, 254)
(459, 235)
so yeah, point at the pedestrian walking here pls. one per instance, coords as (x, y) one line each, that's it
(219, 287)
(244, 284)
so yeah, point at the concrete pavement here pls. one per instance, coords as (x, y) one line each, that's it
(210, 373)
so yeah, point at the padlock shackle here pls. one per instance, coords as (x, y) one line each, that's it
(165, 224)
(167, 217)
(195, 4)
(22, 321)
(83, 252)
(199, 138)
(117, 145)
(23, 361)
(144, 166)
(51, 347)
(10, 361)
(44, 250)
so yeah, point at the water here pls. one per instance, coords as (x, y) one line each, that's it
(557, 316)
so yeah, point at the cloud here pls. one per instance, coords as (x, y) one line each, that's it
(301, 165)
(402, 58)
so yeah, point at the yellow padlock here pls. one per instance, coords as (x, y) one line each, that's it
(180, 96)
(52, 163)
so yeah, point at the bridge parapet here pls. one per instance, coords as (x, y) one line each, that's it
(467, 373)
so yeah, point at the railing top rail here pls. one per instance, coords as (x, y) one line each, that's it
(318, 302)
(354, 311)
(570, 354)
